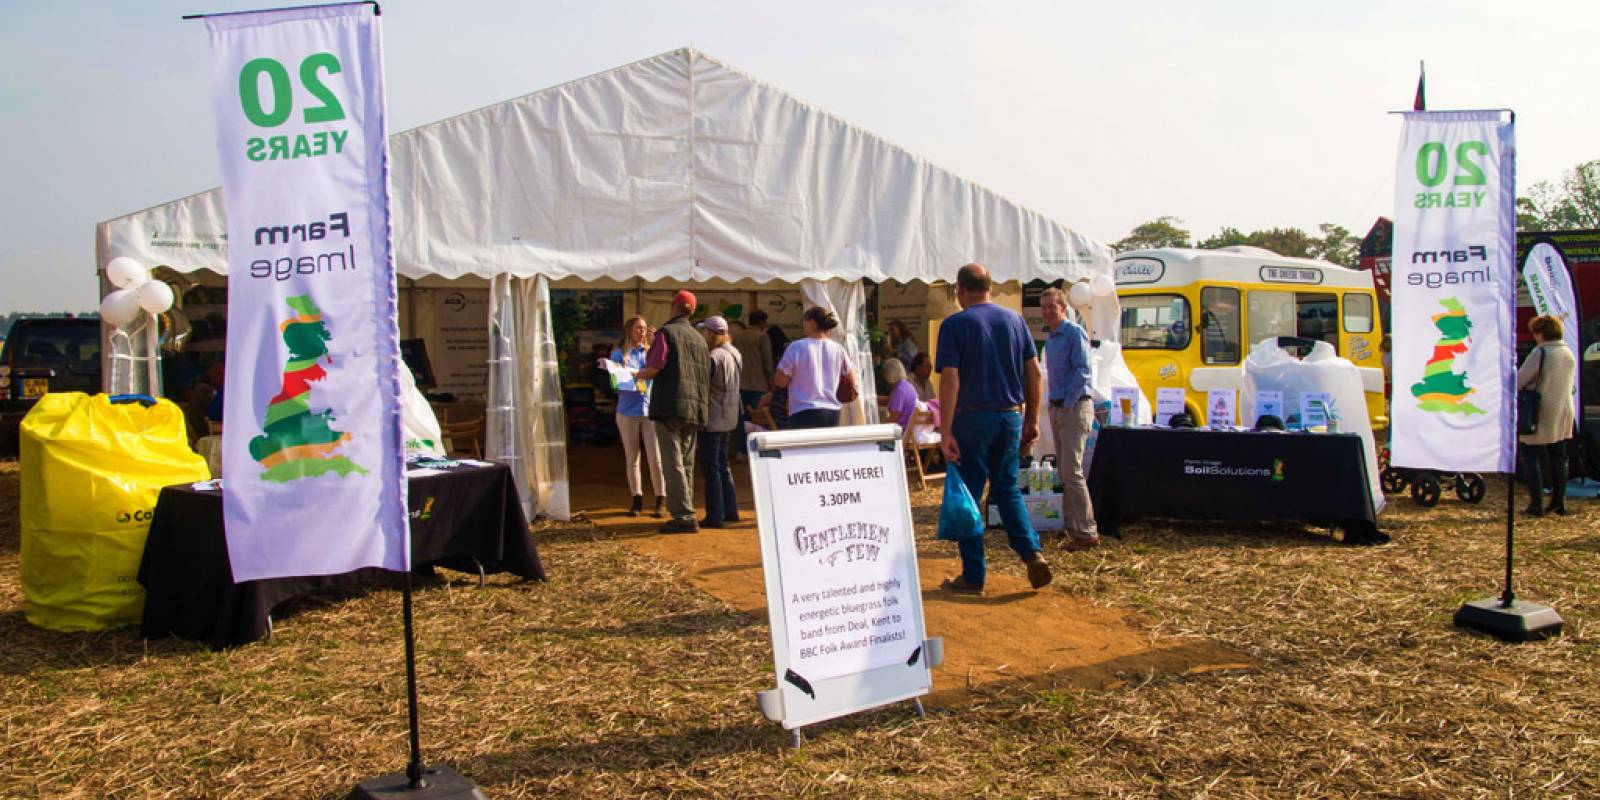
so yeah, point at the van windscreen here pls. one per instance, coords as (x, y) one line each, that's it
(1155, 322)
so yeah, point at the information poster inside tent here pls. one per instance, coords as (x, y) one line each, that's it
(461, 328)
(312, 424)
(1453, 281)
(844, 558)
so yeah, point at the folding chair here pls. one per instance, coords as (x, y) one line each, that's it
(916, 448)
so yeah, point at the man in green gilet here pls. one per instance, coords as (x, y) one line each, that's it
(679, 366)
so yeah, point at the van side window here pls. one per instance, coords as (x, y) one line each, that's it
(1317, 314)
(1271, 315)
(1219, 325)
(1155, 322)
(1357, 313)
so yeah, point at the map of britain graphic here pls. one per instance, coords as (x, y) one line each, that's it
(1442, 390)
(294, 442)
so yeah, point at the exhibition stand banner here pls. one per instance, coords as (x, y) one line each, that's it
(1454, 289)
(312, 437)
(1550, 286)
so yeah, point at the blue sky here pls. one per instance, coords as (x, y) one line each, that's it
(1100, 115)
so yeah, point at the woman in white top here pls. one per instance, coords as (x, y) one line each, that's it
(811, 370)
(1550, 370)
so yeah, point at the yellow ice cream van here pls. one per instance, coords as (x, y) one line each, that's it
(1190, 317)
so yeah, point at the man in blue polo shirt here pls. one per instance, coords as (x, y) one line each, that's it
(989, 392)
(1066, 359)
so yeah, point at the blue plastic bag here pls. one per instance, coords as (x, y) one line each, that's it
(959, 519)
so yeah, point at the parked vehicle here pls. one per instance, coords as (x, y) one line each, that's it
(1189, 317)
(45, 354)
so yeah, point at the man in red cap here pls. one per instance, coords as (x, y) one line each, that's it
(679, 366)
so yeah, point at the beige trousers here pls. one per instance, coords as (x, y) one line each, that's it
(637, 431)
(1071, 426)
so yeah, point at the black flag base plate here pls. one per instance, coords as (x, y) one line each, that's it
(1522, 621)
(440, 783)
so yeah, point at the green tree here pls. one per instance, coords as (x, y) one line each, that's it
(1159, 232)
(1283, 241)
(1227, 237)
(1337, 245)
(1574, 203)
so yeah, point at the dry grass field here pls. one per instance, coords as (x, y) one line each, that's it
(619, 679)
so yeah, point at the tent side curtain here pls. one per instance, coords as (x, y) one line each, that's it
(526, 426)
(678, 168)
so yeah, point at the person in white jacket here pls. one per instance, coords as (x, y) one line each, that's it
(1548, 369)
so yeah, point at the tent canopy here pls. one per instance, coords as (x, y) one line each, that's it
(677, 167)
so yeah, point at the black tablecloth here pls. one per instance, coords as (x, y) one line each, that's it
(457, 516)
(1232, 475)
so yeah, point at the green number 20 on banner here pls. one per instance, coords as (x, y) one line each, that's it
(1432, 164)
(282, 94)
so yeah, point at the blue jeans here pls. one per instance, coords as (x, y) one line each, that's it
(989, 442)
(712, 453)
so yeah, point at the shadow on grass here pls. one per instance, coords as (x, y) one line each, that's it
(686, 624)
(1180, 535)
(635, 753)
(29, 649)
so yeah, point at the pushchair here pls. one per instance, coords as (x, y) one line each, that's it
(1427, 485)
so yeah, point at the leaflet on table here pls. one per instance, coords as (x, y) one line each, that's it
(422, 461)
(621, 377)
(1315, 408)
(1268, 403)
(1220, 405)
(1169, 403)
(1124, 403)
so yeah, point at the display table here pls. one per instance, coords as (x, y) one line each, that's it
(466, 518)
(1203, 474)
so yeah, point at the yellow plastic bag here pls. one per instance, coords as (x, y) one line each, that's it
(91, 471)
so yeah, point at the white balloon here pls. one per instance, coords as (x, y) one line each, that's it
(125, 273)
(1102, 286)
(1079, 295)
(120, 307)
(155, 297)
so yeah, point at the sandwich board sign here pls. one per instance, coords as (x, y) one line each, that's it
(838, 552)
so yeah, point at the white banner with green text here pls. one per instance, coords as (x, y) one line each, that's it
(1454, 293)
(313, 460)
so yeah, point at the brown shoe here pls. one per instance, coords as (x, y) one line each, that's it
(1076, 545)
(959, 585)
(1038, 572)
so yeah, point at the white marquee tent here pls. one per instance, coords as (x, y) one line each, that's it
(677, 170)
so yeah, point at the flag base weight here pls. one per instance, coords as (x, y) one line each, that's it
(1521, 621)
(440, 783)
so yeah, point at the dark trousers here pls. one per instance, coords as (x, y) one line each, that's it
(712, 455)
(1547, 463)
(814, 418)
